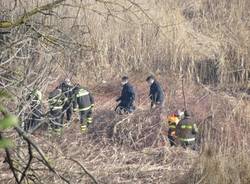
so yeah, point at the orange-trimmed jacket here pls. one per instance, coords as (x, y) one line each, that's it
(172, 122)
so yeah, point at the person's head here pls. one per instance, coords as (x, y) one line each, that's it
(124, 80)
(67, 81)
(150, 79)
(179, 114)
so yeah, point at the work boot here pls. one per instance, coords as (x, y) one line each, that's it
(50, 129)
(58, 131)
(66, 124)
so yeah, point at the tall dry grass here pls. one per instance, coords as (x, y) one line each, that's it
(204, 39)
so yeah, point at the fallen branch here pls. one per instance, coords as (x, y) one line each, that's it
(40, 152)
(9, 161)
(28, 164)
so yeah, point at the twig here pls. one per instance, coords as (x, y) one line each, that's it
(40, 152)
(183, 92)
(28, 164)
(9, 161)
(24, 18)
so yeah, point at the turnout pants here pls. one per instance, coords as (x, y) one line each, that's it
(67, 108)
(56, 119)
(85, 119)
(172, 140)
(186, 144)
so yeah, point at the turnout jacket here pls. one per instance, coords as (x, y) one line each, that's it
(83, 99)
(186, 130)
(56, 99)
(127, 95)
(156, 93)
(35, 97)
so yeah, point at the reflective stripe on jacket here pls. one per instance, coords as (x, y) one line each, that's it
(186, 130)
(83, 99)
(57, 101)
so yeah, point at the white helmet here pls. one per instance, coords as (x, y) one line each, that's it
(67, 81)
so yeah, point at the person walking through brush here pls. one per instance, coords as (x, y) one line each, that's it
(127, 97)
(67, 90)
(35, 98)
(84, 103)
(56, 101)
(186, 131)
(156, 93)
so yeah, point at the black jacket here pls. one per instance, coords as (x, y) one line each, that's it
(156, 93)
(83, 99)
(127, 95)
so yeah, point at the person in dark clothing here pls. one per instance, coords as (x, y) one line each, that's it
(156, 93)
(67, 90)
(36, 110)
(56, 102)
(186, 131)
(85, 103)
(127, 96)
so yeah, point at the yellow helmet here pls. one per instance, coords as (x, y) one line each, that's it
(173, 119)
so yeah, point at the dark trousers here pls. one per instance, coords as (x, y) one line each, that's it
(56, 119)
(86, 117)
(190, 144)
(127, 107)
(171, 140)
(34, 119)
(159, 104)
(67, 108)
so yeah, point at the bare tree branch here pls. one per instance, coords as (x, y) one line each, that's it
(24, 18)
(85, 170)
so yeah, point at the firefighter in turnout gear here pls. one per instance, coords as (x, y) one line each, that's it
(36, 110)
(56, 102)
(67, 90)
(186, 131)
(156, 93)
(84, 103)
(127, 97)
(173, 120)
